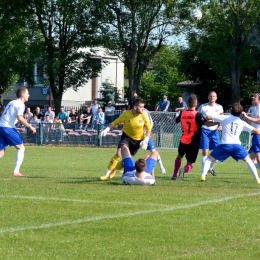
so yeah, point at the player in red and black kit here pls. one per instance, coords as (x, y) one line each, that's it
(191, 122)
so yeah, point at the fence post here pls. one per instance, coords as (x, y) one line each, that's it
(99, 140)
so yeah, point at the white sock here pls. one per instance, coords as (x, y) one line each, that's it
(107, 172)
(213, 164)
(257, 165)
(19, 159)
(205, 167)
(203, 158)
(159, 160)
(252, 168)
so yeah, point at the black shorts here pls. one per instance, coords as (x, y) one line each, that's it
(133, 145)
(190, 150)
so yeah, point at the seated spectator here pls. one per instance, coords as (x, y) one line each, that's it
(85, 117)
(38, 113)
(47, 124)
(63, 115)
(28, 115)
(57, 129)
(73, 115)
(181, 105)
(110, 113)
(99, 118)
(164, 105)
(35, 123)
(50, 113)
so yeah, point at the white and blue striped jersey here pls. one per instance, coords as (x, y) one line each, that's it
(130, 178)
(208, 110)
(13, 109)
(232, 126)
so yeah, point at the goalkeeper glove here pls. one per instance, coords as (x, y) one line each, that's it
(104, 132)
(143, 145)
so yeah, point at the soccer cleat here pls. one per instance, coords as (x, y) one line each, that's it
(181, 173)
(17, 174)
(212, 172)
(173, 178)
(112, 173)
(258, 181)
(104, 177)
(202, 178)
(163, 170)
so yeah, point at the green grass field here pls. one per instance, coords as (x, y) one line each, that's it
(61, 210)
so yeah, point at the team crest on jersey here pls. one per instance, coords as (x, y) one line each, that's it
(140, 121)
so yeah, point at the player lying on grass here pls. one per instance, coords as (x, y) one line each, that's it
(230, 145)
(140, 172)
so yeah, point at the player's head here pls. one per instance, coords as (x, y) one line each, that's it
(212, 97)
(180, 99)
(256, 99)
(236, 109)
(192, 101)
(140, 165)
(23, 93)
(138, 105)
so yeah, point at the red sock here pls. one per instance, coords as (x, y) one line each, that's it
(187, 168)
(177, 166)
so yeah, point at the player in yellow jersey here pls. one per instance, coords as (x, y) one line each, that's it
(134, 136)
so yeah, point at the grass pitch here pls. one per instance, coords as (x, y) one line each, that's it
(61, 210)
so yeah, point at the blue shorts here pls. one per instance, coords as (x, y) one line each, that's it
(129, 165)
(9, 136)
(223, 151)
(255, 148)
(150, 146)
(209, 139)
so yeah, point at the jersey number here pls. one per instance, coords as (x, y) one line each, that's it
(234, 128)
(188, 123)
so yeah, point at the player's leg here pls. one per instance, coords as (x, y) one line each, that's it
(151, 162)
(19, 160)
(214, 142)
(178, 160)
(252, 168)
(204, 144)
(151, 148)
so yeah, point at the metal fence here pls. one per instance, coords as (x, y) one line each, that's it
(165, 133)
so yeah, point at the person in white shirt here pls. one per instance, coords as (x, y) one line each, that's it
(94, 106)
(8, 134)
(210, 134)
(232, 126)
(28, 115)
(47, 124)
(140, 172)
(110, 113)
(50, 113)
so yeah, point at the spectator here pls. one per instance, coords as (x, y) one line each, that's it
(110, 113)
(38, 113)
(62, 115)
(252, 108)
(57, 129)
(164, 105)
(99, 118)
(94, 106)
(50, 113)
(73, 117)
(85, 117)
(181, 105)
(35, 123)
(47, 123)
(28, 115)
(131, 102)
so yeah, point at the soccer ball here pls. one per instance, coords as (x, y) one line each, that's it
(196, 14)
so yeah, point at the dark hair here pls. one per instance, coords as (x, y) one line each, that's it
(21, 91)
(137, 102)
(192, 101)
(236, 109)
(140, 165)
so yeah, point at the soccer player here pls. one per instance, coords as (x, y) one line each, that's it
(8, 134)
(232, 126)
(140, 172)
(134, 121)
(210, 134)
(191, 122)
(254, 118)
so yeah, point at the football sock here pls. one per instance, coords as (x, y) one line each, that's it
(203, 158)
(177, 166)
(257, 165)
(213, 164)
(252, 168)
(113, 162)
(205, 167)
(187, 168)
(159, 160)
(19, 159)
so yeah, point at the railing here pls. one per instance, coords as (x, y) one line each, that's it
(165, 133)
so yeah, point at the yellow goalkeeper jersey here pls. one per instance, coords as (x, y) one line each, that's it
(133, 125)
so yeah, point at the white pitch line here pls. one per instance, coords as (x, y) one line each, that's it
(96, 218)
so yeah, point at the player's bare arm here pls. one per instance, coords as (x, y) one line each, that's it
(23, 121)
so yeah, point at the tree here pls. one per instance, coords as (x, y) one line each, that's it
(66, 27)
(163, 77)
(138, 31)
